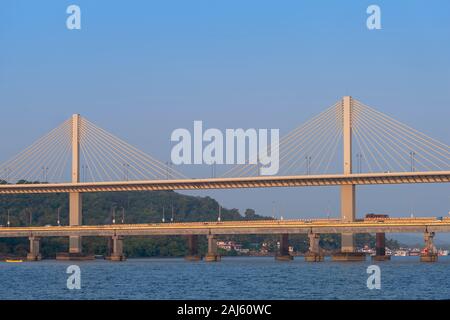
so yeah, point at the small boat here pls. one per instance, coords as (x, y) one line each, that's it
(13, 261)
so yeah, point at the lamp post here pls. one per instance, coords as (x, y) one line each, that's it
(44, 174)
(30, 212)
(123, 215)
(168, 169)
(84, 169)
(126, 168)
(308, 165)
(213, 170)
(273, 209)
(359, 158)
(113, 213)
(413, 161)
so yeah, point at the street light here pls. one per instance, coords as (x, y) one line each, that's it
(8, 223)
(273, 209)
(220, 213)
(213, 170)
(413, 161)
(31, 215)
(164, 215)
(44, 174)
(328, 211)
(126, 167)
(113, 211)
(258, 167)
(59, 216)
(168, 169)
(84, 168)
(308, 165)
(123, 215)
(359, 158)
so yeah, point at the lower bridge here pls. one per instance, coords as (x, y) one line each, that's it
(284, 228)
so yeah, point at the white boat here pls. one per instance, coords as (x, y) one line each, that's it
(401, 253)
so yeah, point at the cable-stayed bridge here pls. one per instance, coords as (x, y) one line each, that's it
(371, 147)
(78, 151)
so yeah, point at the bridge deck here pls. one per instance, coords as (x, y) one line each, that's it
(230, 183)
(405, 225)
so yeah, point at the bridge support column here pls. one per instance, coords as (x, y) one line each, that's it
(430, 253)
(348, 203)
(314, 254)
(348, 208)
(212, 255)
(348, 192)
(116, 249)
(34, 254)
(283, 253)
(380, 248)
(75, 209)
(192, 254)
(75, 199)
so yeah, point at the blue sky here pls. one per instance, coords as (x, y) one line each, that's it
(141, 69)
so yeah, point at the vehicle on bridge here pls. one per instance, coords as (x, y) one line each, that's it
(376, 217)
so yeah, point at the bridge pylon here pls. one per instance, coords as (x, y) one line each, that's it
(348, 192)
(75, 198)
(348, 204)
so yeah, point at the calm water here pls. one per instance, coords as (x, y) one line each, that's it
(233, 278)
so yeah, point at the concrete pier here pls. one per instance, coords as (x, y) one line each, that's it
(192, 254)
(212, 255)
(116, 249)
(34, 253)
(315, 253)
(381, 258)
(430, 253)
(283, 253)
(67, 256)
(348, 257)
(347, 253)
(380, 248)
(75, 252)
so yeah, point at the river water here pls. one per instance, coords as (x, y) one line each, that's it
(238, 278)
